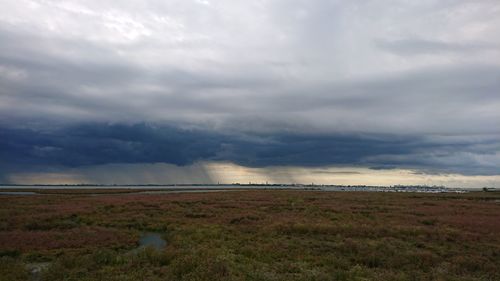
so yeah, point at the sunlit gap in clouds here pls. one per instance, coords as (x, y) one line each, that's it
(228, 173)
(100, 91)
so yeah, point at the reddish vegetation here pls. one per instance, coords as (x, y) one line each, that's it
(23, 218)
(288, 234)
(63, 239)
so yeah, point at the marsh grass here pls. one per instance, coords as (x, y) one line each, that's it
(253, 235)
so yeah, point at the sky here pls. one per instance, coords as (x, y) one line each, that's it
(196, 91)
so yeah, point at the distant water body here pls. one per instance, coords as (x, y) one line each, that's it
(218, 188)
(17, 193)
(170, 187)
(158, 188)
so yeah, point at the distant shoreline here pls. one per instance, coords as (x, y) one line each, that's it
(113, 189)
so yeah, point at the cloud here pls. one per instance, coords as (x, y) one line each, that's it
(222, 172)
(406, 47)
(380, 84)
(99, 144)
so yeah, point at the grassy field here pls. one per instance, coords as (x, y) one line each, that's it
(252, 235)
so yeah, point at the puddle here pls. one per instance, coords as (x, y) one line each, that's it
(17, 193)
(153, 240)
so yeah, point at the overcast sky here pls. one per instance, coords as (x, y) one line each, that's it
(370, 85)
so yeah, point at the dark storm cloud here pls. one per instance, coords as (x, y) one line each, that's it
(101, 144)
(381, 84)
(96, 144)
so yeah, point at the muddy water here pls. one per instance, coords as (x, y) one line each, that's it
(153, 240)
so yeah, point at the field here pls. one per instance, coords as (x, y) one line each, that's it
(251, 235)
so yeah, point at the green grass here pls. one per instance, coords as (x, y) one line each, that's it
(253, 235)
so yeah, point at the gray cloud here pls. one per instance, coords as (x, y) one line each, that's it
(404, 69)
(405, 47)
(100, 144)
